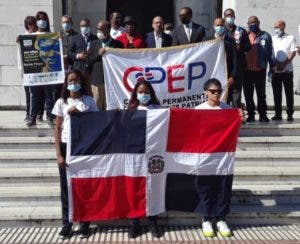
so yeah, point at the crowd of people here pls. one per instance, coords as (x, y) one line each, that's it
(250, 53)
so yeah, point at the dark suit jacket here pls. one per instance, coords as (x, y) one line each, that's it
(95, 60)
(180, 38)
(150, 40)
(79, 45)
(66, 42)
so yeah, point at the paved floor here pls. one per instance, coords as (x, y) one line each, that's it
(172, 234)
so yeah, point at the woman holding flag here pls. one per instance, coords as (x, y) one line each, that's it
(143, 98)
(74, 99)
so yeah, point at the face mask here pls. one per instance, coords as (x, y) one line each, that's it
(219, 30)
(278, 32)
(41, 23)
(74, 87)
(168, 32)
(85, 30)
(66, 26)
(100, 35)
(229, 20)
(254, 28)
(143, 98)
(184, 20)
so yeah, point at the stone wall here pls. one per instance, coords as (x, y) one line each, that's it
(12, 15)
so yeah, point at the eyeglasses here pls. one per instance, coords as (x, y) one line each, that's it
(215, 91)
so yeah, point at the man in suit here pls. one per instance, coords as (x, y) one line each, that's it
(79, 46)
(158, 38)
(94, 60)
(188, 32)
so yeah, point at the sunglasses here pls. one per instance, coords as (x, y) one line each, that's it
(215, 91)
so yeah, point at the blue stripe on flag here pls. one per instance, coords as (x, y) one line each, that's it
(107, 132)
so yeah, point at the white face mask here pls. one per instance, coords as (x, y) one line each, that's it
(169, 32)
(100, 35)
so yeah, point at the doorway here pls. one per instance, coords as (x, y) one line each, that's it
(143, 11)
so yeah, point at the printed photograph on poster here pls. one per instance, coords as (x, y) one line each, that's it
(42, 59)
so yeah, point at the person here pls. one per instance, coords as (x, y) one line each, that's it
(31, 27)
(157, 38)
(285, 50)
(74, 99)
(79, 48)
(66, 34)
(130, 38)
(116, 25)
(219, 27)
(215, 191)
(257, 60)
(188, 32)
(143, 97)
(241, 46)
(169, 29)
(42, 93)
(97, 49)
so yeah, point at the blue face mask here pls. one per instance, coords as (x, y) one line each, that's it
(66, 26)
(220, 30)
(85, 30)
(143, 98)
(74, 87)
(254, 28)
(41, 23)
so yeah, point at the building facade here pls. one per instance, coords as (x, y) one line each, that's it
(13, 12)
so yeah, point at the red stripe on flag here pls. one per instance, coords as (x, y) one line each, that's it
(203, 131)
(108, 198)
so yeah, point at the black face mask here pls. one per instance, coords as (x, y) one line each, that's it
(184, 20)
(118, 21)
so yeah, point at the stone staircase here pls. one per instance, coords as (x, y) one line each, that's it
(266, 183)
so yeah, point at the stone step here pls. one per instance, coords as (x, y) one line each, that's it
(271, 129)
(242, 175)
(46, 158)
(44, 195)
(23, 131)
(19, 143)
(267, 143)
(291, 143)
(267, 175)
(239, 214)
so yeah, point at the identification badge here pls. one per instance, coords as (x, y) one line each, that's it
(263, 42)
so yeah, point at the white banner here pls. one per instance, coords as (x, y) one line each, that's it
(177, 74)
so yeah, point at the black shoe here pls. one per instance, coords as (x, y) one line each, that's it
(134, 230)
(39, 118)
(276, 118)
(84, 231)
(155, 230)
(31, 122)
(290, 118)
(250, 119)
(66, 232)
(264, 119)
(50, 121)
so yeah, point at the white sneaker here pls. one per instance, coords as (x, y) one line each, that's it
(223, 228)
(207, 229)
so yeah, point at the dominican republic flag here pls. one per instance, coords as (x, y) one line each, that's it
(119, 161)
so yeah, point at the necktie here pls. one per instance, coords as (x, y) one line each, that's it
(188, 32)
